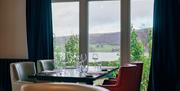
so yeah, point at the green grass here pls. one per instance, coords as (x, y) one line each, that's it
(97, 48)
(105, 63)
(103, 48)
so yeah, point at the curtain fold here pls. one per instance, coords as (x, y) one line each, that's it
(39, 29)
(166, 35)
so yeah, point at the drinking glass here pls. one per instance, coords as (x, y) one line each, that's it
(63, 61)
(82, 66)
(95, 58)
(78, 63)
(83, 58)
(85, 68)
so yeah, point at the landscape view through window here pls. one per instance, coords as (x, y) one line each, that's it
(104, 26)
(104, 33)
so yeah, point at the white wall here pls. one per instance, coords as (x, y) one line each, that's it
(13, 40)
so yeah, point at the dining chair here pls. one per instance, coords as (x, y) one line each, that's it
(129, 78)
(43, 65)
(19, 74)
(139, 65)
(139, 72)
(61, 87)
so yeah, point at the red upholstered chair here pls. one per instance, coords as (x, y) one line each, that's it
(138, 73)
(129, 78)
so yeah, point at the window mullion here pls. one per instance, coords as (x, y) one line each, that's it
(125, 31)
(83, 26)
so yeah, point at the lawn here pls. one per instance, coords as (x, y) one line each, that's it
(103, 48)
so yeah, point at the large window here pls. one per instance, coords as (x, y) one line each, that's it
(66, 31)
(141, 30)
(104, 32)
(101, 28)
(87, 27)
(141, 35)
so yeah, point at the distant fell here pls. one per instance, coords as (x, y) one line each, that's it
(107, 38)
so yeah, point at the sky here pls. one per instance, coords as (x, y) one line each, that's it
(104, 16)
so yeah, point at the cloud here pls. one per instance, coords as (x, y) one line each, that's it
(104, 16)
(104, 12)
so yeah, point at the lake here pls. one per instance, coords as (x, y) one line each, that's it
(104, 56)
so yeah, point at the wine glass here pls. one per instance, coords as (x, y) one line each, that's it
(83, 64)
(83, 58)
(78, 63)
(95, 58)
(63, 61)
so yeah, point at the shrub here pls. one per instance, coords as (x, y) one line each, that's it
(137, 53)
(71, 50)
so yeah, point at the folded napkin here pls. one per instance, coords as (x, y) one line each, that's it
(99, 81)
(95, 73)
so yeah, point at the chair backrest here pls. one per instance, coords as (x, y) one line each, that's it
(127, 78)
(43, 65)
(139, 65)
(60, 87)
(21, 70)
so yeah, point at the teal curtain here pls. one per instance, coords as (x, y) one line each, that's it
(39, 29)
(165, 50)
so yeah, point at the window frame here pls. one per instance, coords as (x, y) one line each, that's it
(125, 27)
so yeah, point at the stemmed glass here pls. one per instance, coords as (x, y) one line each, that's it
(82, 66)
(95, 58)
(63, 61)
(83, 58)
(62, 65)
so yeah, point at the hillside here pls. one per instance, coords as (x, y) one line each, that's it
(106, 38)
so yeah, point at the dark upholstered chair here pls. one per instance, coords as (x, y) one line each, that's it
(43, 65)
(129, 78)
(19, 74)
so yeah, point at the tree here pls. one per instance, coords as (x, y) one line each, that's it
(136, 47)
(150, 41)
(57, 56)
(137, 53)
(57, 53)
(71, 50)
